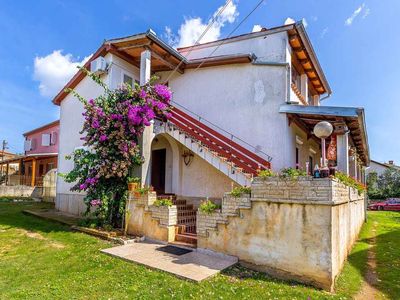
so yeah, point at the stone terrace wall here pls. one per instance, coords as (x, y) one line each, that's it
(151, 221)
(295, 229)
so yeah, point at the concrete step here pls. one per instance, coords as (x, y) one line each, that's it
(187, 238)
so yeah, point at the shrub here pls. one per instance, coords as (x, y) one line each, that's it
(208, 207)
(143, 190)
(163, 202)
(292, 173)
(350, 181)
(112, 128)
(240, 190)
(134, 179)
(265, 173)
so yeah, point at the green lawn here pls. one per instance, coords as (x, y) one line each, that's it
(45, 260)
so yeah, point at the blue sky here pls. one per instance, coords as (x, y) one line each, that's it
(356, 42)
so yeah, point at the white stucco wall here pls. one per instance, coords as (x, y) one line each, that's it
(268, 47)
(71, 119)
(198, 179)
(243, 99)
(375, 167)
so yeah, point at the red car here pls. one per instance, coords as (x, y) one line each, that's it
(389, 204)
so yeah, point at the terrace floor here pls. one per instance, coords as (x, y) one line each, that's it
(184, 263)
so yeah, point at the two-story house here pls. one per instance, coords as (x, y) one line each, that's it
(41, 151)
(257, 94)
(40, 156)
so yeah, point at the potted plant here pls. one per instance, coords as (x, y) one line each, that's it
(141, 191)
(133, 183)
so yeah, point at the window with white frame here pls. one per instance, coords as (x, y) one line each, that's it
(46, 139)
(127, 79)
(28, 145)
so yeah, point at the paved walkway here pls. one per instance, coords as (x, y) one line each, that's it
(194, 265)
(54, 215)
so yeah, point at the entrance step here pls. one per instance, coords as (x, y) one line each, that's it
(186, 230)
(187, 238)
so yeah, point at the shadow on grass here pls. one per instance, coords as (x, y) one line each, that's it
(12, 216)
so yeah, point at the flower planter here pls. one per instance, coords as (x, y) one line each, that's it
(132, 186)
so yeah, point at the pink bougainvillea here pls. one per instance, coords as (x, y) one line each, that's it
(112, 126)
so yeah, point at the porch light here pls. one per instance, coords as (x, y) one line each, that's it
(323, 130)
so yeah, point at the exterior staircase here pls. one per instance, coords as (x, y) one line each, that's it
(228, 156)
(185, 233)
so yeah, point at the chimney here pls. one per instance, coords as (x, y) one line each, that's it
(391, 162)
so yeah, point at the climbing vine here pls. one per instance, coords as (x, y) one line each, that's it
(113, 124)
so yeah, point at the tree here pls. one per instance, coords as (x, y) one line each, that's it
(113, 124)
(386, 185)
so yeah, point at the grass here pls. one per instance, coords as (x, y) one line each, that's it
(388, 252)
(44, 260)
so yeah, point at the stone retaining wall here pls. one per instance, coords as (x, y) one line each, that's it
(299, 229)
(20, 191)
(151, 221)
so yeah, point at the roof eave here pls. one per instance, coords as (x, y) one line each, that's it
(307, 42)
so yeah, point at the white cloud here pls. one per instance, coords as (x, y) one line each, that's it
(366, 13)
(54, 70)
(324, 32)
(289, 21)
(256, 28)
(192, 28)
(356, 13)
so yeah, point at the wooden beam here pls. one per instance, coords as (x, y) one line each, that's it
(134, 46)
(165, 62)
(113, 50)
(298, 49)
(33, 179)
(304, 61)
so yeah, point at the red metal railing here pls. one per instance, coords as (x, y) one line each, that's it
(217, 142)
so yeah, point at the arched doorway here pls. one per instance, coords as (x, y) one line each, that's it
(164, 169)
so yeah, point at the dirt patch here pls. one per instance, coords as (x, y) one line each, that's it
(35, 235)
(368, 289)
(38, 236)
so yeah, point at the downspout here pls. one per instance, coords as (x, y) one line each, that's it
(325, 97)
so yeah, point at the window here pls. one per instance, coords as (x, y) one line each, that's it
(28, 145)
(297, 158)
(53, 138)
(128, 80)
(45, 139)
(311, 164)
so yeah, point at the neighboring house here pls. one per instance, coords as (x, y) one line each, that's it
(262, 90)
(239, 105)
(10, 168)
(41, 151)
(380, 168)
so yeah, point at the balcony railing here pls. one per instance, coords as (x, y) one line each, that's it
(12, 180)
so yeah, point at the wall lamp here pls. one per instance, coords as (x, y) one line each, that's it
(187, 157)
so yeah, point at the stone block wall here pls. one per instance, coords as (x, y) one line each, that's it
(20, 191)
(149, 220)
(301, 229)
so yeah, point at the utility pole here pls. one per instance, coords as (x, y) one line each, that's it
(4, 146)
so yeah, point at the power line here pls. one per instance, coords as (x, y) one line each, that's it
(230, 34)
(200, 37)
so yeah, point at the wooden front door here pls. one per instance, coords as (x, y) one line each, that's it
(158, 160)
